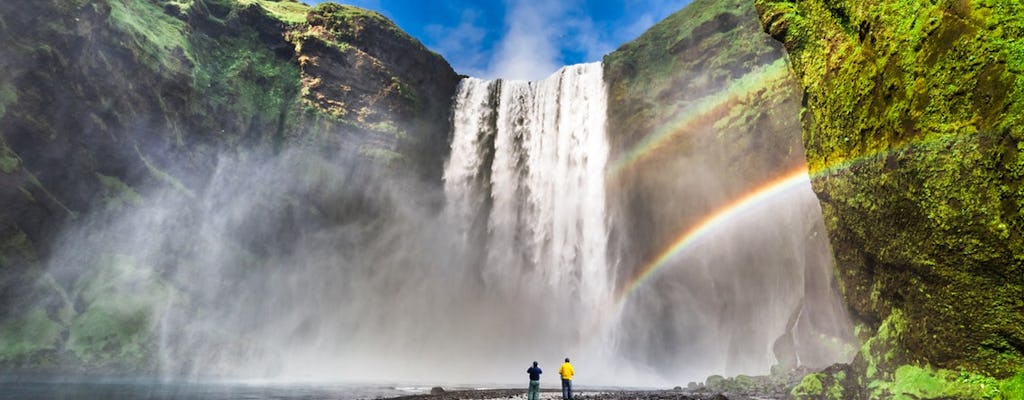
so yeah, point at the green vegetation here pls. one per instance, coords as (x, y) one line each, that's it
(240, 78)
(9, 162)
(809, 386)
(8, 95)
(122, 301)
(157, 39)
(193, 80)
(694, 51)
(289, 11)
(17, 244)
(913, 382)
(383, 155)
(349, 21)
(914, 136)
(117, 195)
(32, 334)
(165, 178)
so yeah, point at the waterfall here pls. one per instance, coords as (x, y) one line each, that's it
(525, 182)
(525, 188)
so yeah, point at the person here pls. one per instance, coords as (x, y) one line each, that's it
(534, 371)
(566, 372)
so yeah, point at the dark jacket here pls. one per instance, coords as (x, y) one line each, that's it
(534, 373)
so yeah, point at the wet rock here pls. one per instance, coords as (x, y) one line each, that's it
(436, 390)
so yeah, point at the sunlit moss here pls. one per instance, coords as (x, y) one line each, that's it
(289, 11)
(158, 39)
(809, 387)
(913, 117)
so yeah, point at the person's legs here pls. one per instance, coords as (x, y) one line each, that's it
(569, 386)
(565, 389)
(534, 390)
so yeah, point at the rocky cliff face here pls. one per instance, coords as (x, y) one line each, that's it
(101, 102)
(703, 109)
(913, 133)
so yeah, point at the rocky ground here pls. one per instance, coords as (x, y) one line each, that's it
(742, 387)
(520, 394)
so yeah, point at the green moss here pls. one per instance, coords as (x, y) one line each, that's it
(385, 156)
(17, 244)
(1013, 388)
(156, 39)
(122, 301)
(24, 337)
(240, 78)
(913, 382)
(164, 177)
(349, 20)
(9, 161)
(913, 132)
(117, 195)
(288, 11)
(8, 96)
(881, 353)
(810, 386)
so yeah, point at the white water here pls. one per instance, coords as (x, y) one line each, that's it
(525, 182)
(267, 271)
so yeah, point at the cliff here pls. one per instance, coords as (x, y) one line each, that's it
(702, 110)
(102, 102)
(913, 133)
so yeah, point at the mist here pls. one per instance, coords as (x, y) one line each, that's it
(299, 266)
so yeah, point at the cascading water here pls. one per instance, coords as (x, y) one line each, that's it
(296, 267)
(526, 181)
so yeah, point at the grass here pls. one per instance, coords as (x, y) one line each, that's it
(157, 38)
(288, 11)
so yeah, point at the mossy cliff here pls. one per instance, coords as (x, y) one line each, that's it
(702, 109)
(913, 130)
(102, 101)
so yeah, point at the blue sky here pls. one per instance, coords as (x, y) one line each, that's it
(521, 39)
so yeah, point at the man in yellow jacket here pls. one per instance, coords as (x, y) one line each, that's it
(566, 372)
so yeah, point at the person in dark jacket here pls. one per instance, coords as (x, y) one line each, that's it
(534, 371)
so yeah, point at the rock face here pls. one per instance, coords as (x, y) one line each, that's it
(102, 100)
(913, 130)
(703, 109)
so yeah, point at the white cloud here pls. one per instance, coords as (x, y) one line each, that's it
(461, 45)
(528, 49)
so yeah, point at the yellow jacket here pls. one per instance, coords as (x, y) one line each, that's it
(566, 371)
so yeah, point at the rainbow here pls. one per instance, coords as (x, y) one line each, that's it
(698, 114)
(706, 225)
(766, 191)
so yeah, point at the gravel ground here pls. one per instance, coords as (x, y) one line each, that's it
(520, 394)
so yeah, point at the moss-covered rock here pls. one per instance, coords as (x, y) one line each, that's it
(913, 134)
(102, 102)
(702, 109)
(119, 303)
